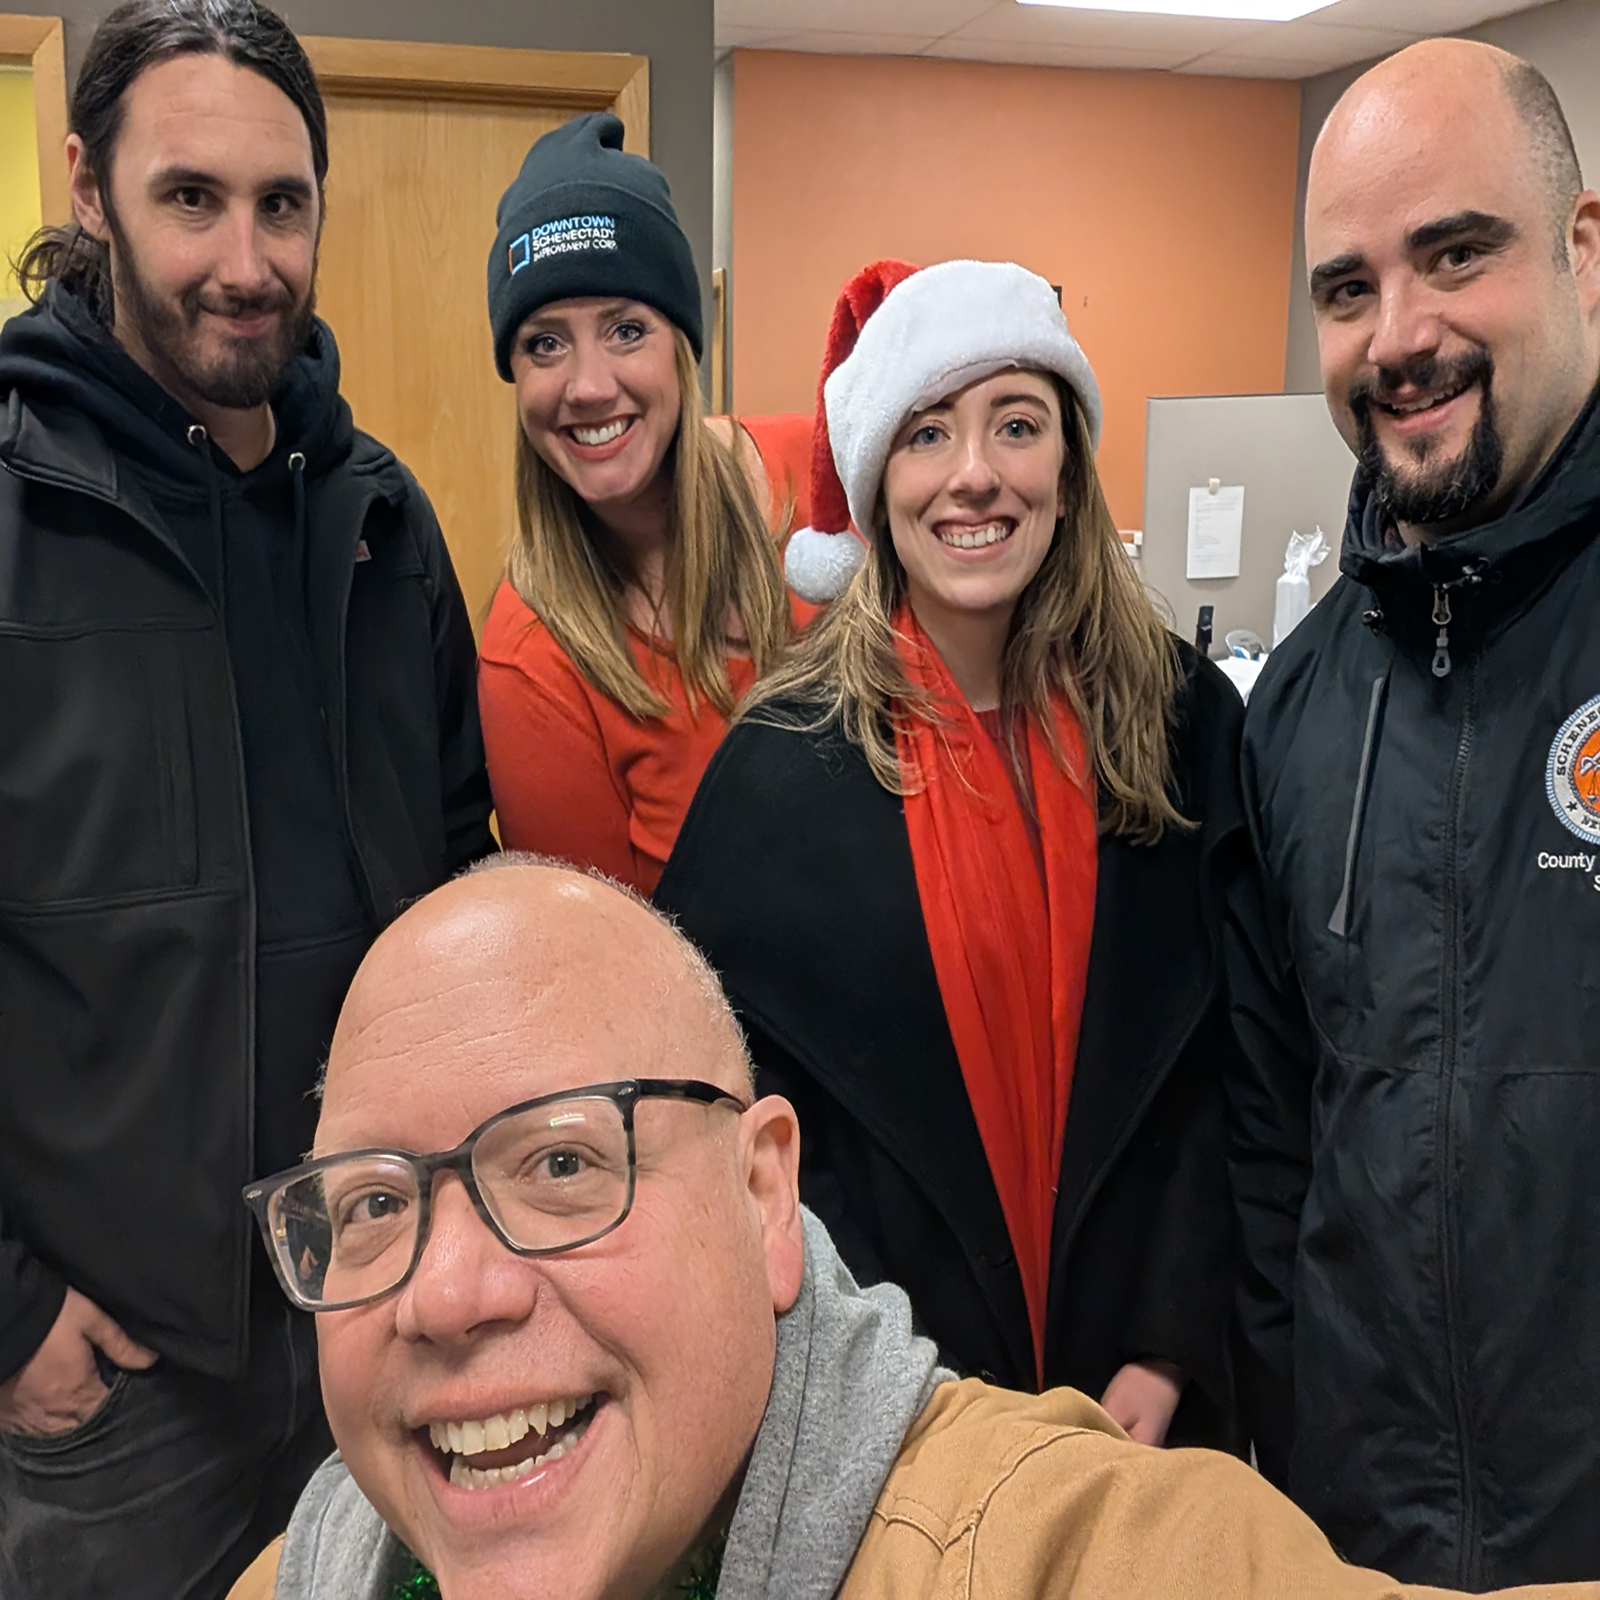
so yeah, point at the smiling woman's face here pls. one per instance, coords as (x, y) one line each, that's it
(972, 488)
(597, 394)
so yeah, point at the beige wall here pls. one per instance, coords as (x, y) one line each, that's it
(1562, 40)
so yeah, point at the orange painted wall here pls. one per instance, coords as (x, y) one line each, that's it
(1163, 205)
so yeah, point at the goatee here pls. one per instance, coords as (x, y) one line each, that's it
(1434, 491)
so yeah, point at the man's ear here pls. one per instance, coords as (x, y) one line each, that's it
(1584, 248)
(85, 189)
(770, 1136)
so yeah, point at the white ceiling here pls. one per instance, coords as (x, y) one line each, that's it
(1002, 30)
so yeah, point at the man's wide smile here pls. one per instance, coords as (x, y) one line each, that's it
(511, 1445)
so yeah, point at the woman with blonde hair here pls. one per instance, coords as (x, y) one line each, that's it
(960, 862)
(643, 592)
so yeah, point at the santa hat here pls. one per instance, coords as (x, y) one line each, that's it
(901, 339)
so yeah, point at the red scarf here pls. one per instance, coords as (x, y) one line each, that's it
(1011, 955)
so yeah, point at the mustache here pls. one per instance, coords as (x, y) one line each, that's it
(1422, 372)
(236, 305)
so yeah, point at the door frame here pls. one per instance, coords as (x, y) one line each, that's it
(585, 80)
(38, 44)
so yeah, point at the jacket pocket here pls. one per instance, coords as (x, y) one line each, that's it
(97, 795)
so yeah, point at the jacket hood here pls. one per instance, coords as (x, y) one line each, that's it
(849, 1379)
(1563, 500)
(57, 356)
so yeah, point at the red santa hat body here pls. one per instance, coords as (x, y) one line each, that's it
(899, 341)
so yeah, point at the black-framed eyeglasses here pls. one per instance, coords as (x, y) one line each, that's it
(547, 1175)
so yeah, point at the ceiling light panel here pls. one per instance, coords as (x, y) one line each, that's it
(1228, 10)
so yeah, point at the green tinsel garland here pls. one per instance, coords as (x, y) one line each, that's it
(701, 1583)
(421, 1585)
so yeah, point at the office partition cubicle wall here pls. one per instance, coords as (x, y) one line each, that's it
(1295, 470)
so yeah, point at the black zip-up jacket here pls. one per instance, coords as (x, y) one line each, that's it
(793, 873)
(1417, 988)
(128, 898)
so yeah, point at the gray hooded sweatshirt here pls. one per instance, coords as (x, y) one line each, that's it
(849, 1380)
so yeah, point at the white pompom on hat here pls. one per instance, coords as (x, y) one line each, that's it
(900, 340)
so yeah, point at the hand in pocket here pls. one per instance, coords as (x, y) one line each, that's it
(60, 1387)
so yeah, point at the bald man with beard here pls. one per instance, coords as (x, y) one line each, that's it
(1417, 987)
(579, 1341)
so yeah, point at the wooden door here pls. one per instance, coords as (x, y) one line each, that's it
(423, 140)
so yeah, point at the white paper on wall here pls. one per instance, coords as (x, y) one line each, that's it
(1216, 530)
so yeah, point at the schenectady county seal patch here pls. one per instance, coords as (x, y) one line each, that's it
(1572, 778)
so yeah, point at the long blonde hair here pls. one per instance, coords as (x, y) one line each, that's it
(1083, 626)
(722, 560)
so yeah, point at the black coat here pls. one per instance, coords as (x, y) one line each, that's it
(793, 873)
(127, 893)
(1418, 1167)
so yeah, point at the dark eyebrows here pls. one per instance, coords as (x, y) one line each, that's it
(289, 183)
(1492, 231)
(1326, 273)
(1496, 232)
(997, 404)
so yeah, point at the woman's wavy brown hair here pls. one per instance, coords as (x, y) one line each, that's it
(1084, 626)
(722, 562)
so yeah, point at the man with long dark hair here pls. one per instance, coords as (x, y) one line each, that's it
(238, 731)
(1416, 1166)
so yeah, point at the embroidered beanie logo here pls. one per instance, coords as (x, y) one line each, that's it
(563, 237)
(1572, 778)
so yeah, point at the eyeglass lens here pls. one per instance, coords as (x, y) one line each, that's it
(551, 1177)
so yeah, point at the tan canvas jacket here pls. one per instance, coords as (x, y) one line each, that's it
(1003, 1496)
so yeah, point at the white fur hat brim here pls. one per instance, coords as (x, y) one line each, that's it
(941, 329)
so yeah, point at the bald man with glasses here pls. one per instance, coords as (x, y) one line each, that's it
(579, 1339)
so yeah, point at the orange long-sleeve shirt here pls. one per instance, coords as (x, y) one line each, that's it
(575, 775)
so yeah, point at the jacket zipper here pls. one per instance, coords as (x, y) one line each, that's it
(1467, 1557)
(1441, 620)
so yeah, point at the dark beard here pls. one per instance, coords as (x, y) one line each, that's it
(253, 370)
(1448, 490)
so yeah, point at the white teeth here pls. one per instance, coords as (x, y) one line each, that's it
(504, 1429)
(612, 430)
(464, 1477)
(1411, 408)
(976, 538)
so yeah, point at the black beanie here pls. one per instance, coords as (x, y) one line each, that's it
(585, 218)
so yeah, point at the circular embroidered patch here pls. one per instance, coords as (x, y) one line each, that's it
(1572, 778)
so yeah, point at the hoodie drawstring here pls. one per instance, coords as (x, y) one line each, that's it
(297, 478)
(200, 439)
(1339, 922)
